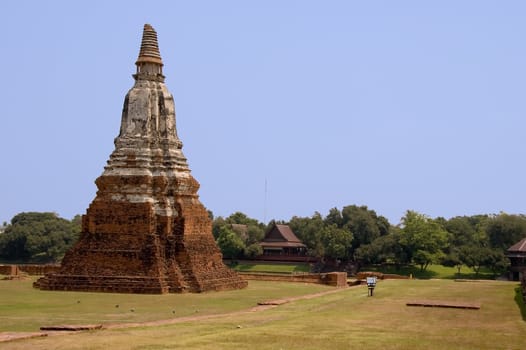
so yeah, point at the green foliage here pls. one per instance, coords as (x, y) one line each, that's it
(477, 241)
(476, 256)
(255, 234)
(460, 230)
(249, 233)
(381, 250)
(505, 230)
(309, 231)
(337, 242)
(519, 300)
(334, 217)
(422, 238)
(341, 233)
(253, 250)
(268, 267)
(230, 244)
(453, 259)
(362, 222)
(37, 237)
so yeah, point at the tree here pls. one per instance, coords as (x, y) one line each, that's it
(334, 218)
(217, 223)
(309, 231)
(423, 239)
(254, 234)
(249, 231)
(476, 256)
(253, 250)
(38, 237)
(466, 237)
(243, 219)
(497, 262)
(505, 230)
(337, 242)
(230, 244)
(364, 224)
(381, 250)
(453, 259)
(461, 231)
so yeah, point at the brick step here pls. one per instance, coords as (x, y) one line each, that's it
(125, 284)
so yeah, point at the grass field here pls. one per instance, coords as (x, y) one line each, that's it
(272, 267)
(23, 308)
(434, 271)
(345, 320)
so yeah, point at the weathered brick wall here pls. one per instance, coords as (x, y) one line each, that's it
(34, 270)
(5, 269)
(116, 217)
(125, 247)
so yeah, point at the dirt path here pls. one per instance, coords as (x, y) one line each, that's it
(265, 305)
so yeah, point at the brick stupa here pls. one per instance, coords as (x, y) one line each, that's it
(146, 231)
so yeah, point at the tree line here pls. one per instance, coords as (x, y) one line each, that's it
(358, 234)
(353, 234)
(37, 237)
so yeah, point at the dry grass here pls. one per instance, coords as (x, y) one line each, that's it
(23, 308)
(343, 320)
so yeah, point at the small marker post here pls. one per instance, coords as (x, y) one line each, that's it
(371, 283)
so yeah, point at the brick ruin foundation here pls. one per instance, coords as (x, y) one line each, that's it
(146, 231)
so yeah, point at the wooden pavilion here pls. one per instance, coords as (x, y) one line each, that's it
(517, 255)
(280, 243)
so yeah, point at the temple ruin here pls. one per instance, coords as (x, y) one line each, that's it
(146, 230)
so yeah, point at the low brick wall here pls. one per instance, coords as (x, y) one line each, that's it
(36, 270)
(7, 269)
(381, 276)
(336, 279)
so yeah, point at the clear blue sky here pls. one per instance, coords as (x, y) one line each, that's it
(395, 105)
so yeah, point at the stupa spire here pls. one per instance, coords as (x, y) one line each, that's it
(146, 230)
(149, 63)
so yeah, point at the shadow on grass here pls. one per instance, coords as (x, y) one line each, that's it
(433, 271)
(471, 276)
(520, 302)
(272, 267)
(410, 270)
(302, 268)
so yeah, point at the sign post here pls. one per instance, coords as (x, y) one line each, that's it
(371, 283)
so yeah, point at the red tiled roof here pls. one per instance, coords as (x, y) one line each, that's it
(518, 247)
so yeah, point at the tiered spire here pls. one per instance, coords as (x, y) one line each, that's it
(149, 62)
(149, 47)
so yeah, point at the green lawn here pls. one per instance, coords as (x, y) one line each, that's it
(345, 320)
(433, 271)
(272, 267)
(23, 308)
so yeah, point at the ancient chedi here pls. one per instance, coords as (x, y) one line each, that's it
(146, 231)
